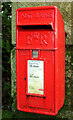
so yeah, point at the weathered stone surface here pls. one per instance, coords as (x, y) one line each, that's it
(64, 7)
(14, 7)
(72, 22)
(72, 79)
(13, 72)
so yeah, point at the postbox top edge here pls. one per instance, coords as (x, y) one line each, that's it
(36, 8)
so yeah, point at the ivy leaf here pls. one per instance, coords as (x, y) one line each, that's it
(8, 46)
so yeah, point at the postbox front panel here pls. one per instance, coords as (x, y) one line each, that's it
(36, 80)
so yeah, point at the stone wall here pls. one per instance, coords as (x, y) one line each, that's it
(65, 9)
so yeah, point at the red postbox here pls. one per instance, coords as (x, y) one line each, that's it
(40, 60)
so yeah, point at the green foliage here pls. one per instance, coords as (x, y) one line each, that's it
(7, 100)
(15, 103)
(6, 61)
(6, 38)
(6, 114)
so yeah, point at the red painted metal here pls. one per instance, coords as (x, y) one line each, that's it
(42, 29)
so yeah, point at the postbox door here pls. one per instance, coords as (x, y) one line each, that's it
(45, 57)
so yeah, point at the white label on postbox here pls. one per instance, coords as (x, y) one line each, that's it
(36, 76)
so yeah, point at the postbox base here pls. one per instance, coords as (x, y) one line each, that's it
(38, 111)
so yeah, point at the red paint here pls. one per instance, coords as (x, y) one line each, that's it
(50, 44)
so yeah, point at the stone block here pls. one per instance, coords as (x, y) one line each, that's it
(13, 72)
